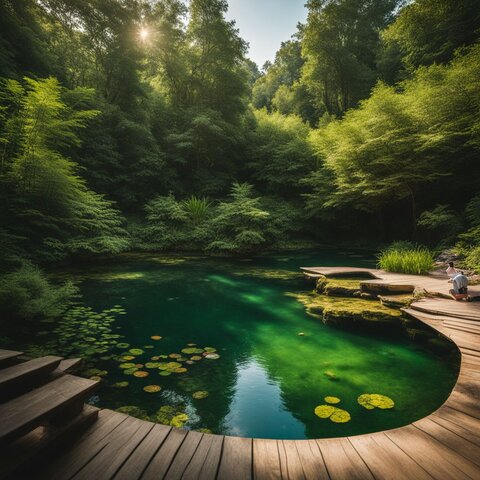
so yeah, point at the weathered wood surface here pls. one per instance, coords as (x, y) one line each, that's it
(445, 445)
(434, 284)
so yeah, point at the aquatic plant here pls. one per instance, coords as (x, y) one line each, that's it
(152, 388)
(192, 350)
(134, 411)
(156, 337)
(336, 415)
(201, 394)
(371, 401)
(415, 261)
(170, 415)
(126, 365)
(140, 374)
(212, 356)
(332, 400)
(121, 384)
(136, 351)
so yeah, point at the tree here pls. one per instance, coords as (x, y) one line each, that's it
(280, 152)
(428, 31)
(239, 223)
(340, 44)
(46, 203)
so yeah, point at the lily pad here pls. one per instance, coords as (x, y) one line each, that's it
(336, 415)
(170, 415)
(324, 411)
(156, 358)
(196, 358)
(152, 388)
(332, 400)
(192, 350)
(175, 355)
(134, 411)
(136, 351)
(340, 416)
(205, 430)
(179, 370)
(212, 356)
(200, 395)
(140, 374)
(164, 373)
(122, 345)
(126, 365)
(130, 371)
(128, 357)
(371, 401)
(156, 337)
(178, 421)
(152, 365)
(95, 378)
(121, 384)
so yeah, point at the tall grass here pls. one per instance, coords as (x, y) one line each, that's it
(197, 209)
(416, 261)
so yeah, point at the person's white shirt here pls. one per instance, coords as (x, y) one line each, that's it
(452, 272)
(459, 282)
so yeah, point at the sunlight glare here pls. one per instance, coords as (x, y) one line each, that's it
(143, 33)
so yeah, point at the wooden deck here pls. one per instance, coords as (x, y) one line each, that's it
(445, 445)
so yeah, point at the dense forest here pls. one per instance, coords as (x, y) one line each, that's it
(143, 126)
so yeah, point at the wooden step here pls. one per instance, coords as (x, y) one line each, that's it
(38, 407)
(35, 446)
(23, 374)
(69, 364)
(7, 356)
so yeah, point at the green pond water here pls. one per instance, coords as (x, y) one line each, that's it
(268, 379)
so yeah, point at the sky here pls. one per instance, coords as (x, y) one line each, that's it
(265, 24)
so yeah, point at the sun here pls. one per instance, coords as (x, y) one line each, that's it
(143, 33)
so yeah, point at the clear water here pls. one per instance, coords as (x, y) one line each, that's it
(268, 380)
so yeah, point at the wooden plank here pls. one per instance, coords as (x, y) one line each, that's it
(454, 442)
(383, 458)
(342, 460)
(312, 460)
(206, 459)
(33, 447)
(10, 377)
(266, 459)
(440, 462)
(69, 364)
(290, 463)
(135, 465)
(458, 422)
(6, 356)
(120, 445)
(87, 446)
(160, 463)
(236, 461)
(183, 456)
(28, 411)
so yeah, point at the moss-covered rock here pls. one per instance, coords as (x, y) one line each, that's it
(347, 311)
(339, 287)
(396, 301)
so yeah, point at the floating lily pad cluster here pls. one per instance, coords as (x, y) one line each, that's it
(82, 331)
(335, 414)
(370, 401)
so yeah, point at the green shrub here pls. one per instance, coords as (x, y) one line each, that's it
(416, 261)
(26, 293)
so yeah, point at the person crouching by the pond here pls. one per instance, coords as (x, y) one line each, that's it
(451, 272)
(460, 287)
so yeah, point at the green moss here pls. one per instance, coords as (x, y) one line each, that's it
(339, 287)
(345, 311)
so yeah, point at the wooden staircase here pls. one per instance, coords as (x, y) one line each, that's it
(41, 407)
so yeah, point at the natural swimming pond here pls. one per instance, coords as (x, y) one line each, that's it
(257, 377)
